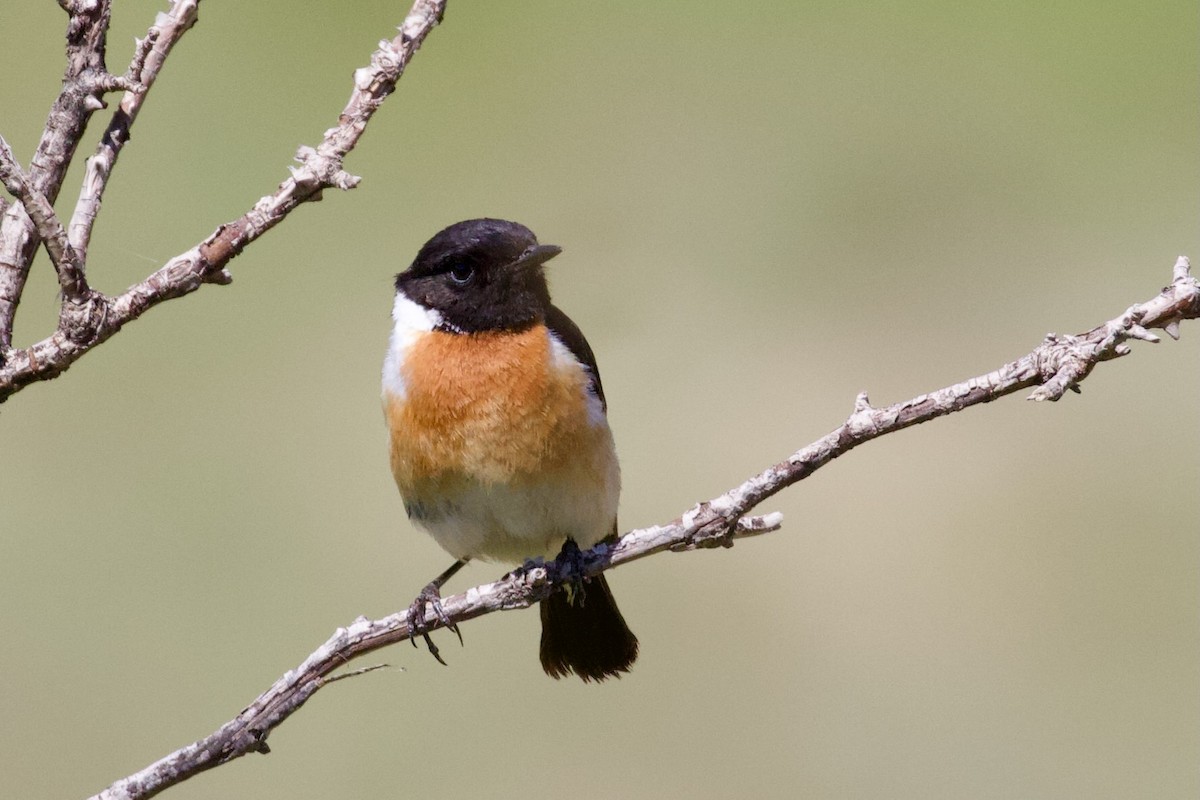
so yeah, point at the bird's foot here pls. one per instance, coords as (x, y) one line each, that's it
(571, 563)
(430, 596)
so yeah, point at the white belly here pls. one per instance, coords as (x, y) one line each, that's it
(512, 523)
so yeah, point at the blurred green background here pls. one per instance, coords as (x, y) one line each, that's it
(765, 208)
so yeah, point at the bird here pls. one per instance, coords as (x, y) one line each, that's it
(498, 430)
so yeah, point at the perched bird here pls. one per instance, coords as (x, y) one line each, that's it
(500, 443)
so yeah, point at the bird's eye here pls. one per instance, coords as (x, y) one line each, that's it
(462, 274)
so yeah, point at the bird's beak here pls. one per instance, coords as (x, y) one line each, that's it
(537, 255)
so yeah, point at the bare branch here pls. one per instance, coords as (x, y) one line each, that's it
(248, 732)
(716, 523)
(84, 325)
(87, 29)
(148, 58)
(49, 228)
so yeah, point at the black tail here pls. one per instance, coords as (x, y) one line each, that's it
(583, 632)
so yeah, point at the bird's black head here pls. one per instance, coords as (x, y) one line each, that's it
(481, 275)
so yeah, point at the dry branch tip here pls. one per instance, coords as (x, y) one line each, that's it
(762, 523)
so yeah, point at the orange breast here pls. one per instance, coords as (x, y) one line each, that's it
(491, 408)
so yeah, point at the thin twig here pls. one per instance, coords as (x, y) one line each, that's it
(716, 523)
(149, 55)
(354, 673)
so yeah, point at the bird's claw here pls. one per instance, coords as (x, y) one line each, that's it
(430, 596)
(571, 559)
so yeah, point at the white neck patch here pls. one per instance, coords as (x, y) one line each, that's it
(411, 320)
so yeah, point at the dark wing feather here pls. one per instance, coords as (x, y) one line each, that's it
(569, 334)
